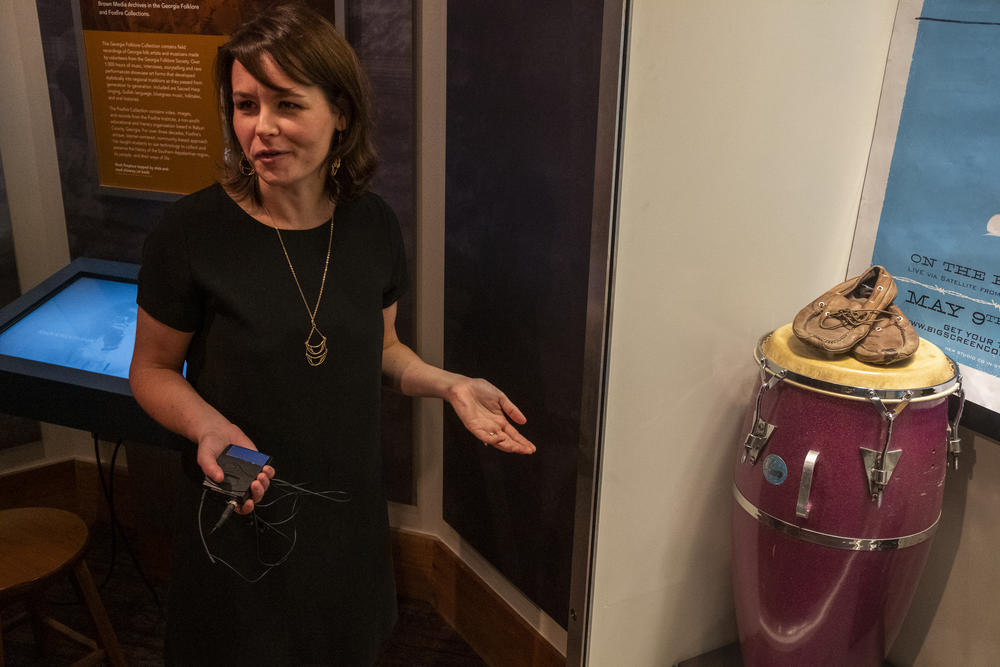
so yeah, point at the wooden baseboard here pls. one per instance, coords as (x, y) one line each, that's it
(426, 569)
(90, 494)
(70, 485)
(52, 485)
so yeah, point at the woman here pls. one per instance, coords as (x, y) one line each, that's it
(278, 288)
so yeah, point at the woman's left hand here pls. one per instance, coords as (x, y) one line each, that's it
(483, 408)
(487, 412)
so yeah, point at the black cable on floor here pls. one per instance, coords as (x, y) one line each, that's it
(108, 487)
(116, 527)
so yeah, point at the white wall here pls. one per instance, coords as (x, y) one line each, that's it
(747, 129)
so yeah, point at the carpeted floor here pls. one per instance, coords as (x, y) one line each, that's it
(421, 636)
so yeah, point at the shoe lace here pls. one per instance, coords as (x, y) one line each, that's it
(852, 318)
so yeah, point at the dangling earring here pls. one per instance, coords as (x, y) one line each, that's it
(335, 165)
(245, 167)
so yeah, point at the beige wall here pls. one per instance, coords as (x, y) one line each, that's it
(31, 171)
(29, 149)
(747, 129)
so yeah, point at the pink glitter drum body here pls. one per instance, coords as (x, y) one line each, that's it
(837, 492)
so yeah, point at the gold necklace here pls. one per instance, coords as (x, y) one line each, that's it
(315, 352)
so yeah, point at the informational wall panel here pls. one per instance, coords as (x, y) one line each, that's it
(154, 114)
(154, 111)
(522, 117)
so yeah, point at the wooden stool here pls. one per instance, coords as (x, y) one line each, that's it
(37, 544)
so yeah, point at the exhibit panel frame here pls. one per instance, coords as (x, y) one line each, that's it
(922, 186)
(604, 223)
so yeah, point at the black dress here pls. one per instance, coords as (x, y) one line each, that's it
(210, 268)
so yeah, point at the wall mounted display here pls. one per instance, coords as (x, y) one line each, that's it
(931, 205)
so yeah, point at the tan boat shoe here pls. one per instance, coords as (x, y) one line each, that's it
(892, 338)
(843, 315)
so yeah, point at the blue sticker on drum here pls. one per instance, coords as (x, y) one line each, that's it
(775, 470)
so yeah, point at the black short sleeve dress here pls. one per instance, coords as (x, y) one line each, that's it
(210, 268)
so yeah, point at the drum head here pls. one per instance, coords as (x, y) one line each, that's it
(929, 367)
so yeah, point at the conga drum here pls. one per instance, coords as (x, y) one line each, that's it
(837, 492)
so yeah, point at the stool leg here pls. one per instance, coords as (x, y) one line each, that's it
(106, 633)
(36, 613)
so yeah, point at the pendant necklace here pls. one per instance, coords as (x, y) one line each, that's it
(315, 351)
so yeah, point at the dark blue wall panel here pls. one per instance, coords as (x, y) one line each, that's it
(522, 116)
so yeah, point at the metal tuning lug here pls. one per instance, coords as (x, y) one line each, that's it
(954, 448)
(761, 430)
(955, 442)
(757, 439)
(880, 464)
(878, 469)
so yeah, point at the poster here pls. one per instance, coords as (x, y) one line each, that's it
(939, 227)
(150, 78)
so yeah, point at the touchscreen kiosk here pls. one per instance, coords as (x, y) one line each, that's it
(65, 349)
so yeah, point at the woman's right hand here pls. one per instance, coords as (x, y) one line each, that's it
(210, 446)
(165, 394)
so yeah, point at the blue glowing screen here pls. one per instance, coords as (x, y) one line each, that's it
(88, 325)
(247, 455)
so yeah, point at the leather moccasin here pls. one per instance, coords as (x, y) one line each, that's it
(842, 316)
(892, 338)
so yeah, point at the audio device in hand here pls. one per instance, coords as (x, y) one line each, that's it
(240, 467)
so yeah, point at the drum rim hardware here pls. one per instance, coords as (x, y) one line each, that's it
(954, 441)
(889, 403)
(771, 373)
(761, 430)
(945, 388)
(835, 541)
(880, 464)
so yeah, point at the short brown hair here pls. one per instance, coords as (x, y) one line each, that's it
(311, 52)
